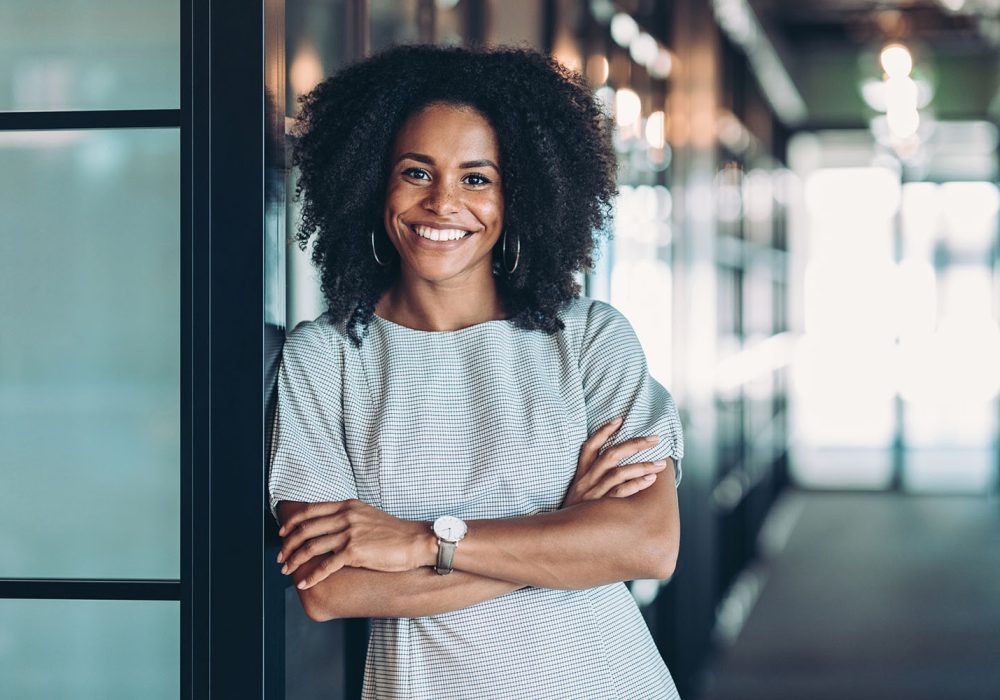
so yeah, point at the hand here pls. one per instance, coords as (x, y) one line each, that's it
(349, 533)
(598, 475)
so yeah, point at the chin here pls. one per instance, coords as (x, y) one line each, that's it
(438, 275)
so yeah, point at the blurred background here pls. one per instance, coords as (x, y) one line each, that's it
(805, 240)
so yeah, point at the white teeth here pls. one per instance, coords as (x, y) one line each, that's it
(435, 234)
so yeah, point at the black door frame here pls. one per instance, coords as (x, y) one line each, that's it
(230, 151)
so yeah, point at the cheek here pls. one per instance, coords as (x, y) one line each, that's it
(395, 204)
(491, 210)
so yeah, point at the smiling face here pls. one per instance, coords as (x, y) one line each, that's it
(444, 200)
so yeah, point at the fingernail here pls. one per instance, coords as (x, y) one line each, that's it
(650, 477)
(280, 557)
(653, 438)
(618, 420)
(662, 463)
(284, 569)
(281, 532)
(301, 585)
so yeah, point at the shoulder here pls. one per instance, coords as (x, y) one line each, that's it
(591, 321)
(584, 313)
(317, 341)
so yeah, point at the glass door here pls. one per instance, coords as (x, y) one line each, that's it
(90, 353)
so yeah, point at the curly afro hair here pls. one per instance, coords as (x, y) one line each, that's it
(558, 170)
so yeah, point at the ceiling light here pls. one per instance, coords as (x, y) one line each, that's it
(628, 107)
(623, 29)
(662, 65)
(603, 10)
(643, 49)
(900, 94)
(896, 61)
(903, 123)
(654, 129)
(953, 5)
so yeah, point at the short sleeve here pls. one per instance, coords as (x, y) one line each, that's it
(617, 382)
(308, 460)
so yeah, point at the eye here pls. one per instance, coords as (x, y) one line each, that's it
(416, 173)
(477, 179)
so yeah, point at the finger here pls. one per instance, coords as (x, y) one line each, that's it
(330, 565)
(312, 510)
(620, 475)
(614, 455)
(309, 529)
(633, 486)
(593, 444)
(316, 547)
(611, 459)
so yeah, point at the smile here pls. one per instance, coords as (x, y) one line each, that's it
(439, 234)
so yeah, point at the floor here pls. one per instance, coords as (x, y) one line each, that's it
(874, 596)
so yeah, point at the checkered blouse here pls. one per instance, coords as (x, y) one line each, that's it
(482, 422)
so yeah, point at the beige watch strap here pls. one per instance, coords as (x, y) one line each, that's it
(446, 554)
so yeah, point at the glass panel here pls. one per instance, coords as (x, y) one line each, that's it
(844, 387)
(449, 20)
(90, 353)
(315, 48)
(100, 54)
(83, 649)
(641, 281)
(393, 22)
(315, 45)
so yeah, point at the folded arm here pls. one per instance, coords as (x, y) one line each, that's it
(350, 559)
(588, 544)
(358, 592)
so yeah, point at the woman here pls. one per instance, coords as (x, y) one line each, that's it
(431, 465)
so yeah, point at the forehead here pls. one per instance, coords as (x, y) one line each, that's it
(448, 132)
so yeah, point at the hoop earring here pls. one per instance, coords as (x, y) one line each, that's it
(381, 264)
(517, 256)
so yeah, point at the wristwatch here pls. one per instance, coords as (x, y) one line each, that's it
(450, 531)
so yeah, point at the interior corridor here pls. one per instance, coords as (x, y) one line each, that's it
(873, 596)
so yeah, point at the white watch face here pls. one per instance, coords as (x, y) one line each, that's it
(449, 528)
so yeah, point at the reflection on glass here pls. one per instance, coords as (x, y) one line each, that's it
(641, 281)
(101, 650)
(100, 54)
(394, 22)
(315, 46)
(90, 353)
(449, 21)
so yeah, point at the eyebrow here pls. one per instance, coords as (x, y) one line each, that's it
(420, 157)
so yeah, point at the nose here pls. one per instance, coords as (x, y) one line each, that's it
(443, 198)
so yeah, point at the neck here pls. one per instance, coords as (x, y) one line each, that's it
(429, 306)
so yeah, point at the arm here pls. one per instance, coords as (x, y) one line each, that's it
(412, 592)
(356, 592)
(586, 544)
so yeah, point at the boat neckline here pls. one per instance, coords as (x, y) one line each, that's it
(481, 324)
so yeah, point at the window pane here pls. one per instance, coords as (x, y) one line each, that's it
(90, 353)
(314, 45)
(393, 22)
(99, 54)
(83, 649)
